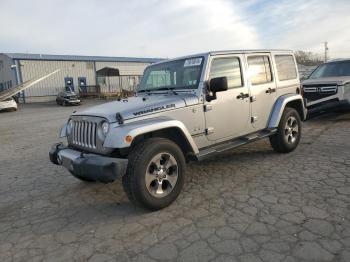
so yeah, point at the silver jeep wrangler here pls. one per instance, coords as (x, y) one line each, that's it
(188, 108)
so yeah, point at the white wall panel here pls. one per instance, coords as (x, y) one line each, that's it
(125, 68)
(54, 84)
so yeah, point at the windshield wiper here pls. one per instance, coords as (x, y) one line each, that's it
(172, 89)
(144, 90)
(158, 89)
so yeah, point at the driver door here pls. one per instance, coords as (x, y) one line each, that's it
(228, 115)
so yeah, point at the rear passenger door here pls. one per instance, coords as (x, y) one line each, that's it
(262, 88)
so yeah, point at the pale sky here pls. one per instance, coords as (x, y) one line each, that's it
(170, 28)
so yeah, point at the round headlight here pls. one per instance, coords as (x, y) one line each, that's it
(105, 128)
(69, 126)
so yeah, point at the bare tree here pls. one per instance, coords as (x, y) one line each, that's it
(308, 58)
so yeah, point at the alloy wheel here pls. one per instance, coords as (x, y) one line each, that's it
(161, 175)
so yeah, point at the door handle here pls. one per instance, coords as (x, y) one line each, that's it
(242, 96)
(270, 90)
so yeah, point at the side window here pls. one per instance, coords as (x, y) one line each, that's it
(285, 67)
(229, 67)
(259, 69)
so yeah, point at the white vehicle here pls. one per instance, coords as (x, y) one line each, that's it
(188, 108)
(328, 86)
(9, 104)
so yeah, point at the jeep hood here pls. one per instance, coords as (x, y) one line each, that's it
(139, 106)
(339, 80)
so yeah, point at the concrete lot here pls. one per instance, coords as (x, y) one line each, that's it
(249, 204)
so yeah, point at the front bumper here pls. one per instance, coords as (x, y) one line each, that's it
(73, 102)
(328, 105)
(88, 166)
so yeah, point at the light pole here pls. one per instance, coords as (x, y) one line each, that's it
(326, 51)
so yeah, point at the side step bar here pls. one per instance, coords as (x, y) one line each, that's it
(227, 145)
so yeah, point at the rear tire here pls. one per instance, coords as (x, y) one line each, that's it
(155, 173)
(288, 133)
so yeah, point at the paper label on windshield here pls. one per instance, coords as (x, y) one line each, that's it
(193, 62)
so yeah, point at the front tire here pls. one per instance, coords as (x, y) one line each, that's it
(155, 173)
(288, 133)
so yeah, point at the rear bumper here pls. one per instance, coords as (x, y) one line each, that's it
(88, 166)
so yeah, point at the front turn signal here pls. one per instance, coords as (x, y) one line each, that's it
(128, 139)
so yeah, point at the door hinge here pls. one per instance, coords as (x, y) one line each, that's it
(207, 108)
(209, 130)
(252, 99)
(254, 119)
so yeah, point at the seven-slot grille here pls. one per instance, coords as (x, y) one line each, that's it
(315, 92)
(84, 133)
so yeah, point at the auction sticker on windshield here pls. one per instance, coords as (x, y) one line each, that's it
(193, 62)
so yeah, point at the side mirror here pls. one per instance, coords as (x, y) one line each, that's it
(218, 84)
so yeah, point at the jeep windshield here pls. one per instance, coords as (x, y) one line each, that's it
(333, 69)
(172, 75)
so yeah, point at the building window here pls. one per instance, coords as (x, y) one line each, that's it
(259, 69)
(285, 67)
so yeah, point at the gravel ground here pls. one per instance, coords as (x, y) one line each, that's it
(248, 204)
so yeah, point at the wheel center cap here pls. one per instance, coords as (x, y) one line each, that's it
(161, 174)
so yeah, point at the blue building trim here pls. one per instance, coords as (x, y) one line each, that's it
(14, 70)
(19, 78)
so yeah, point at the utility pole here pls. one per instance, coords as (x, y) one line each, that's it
(326, 51)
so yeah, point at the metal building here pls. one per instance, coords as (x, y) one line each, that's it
(84, 74)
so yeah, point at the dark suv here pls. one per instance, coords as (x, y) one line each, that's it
(67, 98)
(328, 86)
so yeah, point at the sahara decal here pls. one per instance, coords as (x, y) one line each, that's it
(155, 109)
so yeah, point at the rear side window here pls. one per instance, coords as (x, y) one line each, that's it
(229, 67)
(259, 69)
(285, 67)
